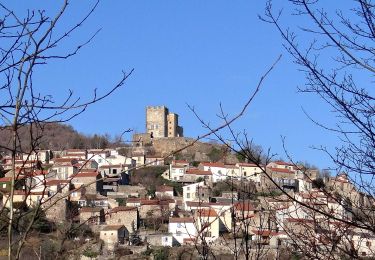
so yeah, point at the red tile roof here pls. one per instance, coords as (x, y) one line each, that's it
(244, 206)
(57, 182)
(283, 163)
(90, 209)
(150, 202)
(207, 213)
(181, 220)
(110, 166)
(84, 175)
(249, 165)
(63, 160)
(123, 208)
(213, 164)
(198, 172)
(112, 227)
(164, 188)
(281, 170)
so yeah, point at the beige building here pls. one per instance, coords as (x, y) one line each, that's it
(161, 123)
(126, 216)
(208, 224)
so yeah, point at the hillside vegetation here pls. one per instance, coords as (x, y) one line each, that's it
(54, 136)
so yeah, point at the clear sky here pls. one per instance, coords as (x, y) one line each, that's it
(200, 53)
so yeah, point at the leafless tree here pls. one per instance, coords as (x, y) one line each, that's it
(27, 43)
(337, 59)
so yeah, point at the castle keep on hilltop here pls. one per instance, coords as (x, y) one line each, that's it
(161, 123)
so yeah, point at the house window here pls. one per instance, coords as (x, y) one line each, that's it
(119, 220)
(114, 171)
(100, 160)
(188, 195)
(208, 234)
(181, 170)
(188, 188)
(4, 185)
(244, 173)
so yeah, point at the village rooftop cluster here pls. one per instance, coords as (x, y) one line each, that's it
(96, 182)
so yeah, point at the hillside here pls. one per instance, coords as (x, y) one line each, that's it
(54, 136)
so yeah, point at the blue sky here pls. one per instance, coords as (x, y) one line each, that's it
(200, 53)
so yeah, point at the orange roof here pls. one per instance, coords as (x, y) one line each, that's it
(84, 175)
(57, 182)
(207, 213)
(281, 170)
(133, 200)
(123, 208)
(110, 166)
(248, 165)
(213, 164)
(244, 206)
(90, 209)
(150, 202)
(198, 172)
(164, 188)
(8, 179)
(181, 220)
(283, 163)
(180, 162)
(112, 227)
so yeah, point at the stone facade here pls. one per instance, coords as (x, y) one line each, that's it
(127, 216)
(161, 123)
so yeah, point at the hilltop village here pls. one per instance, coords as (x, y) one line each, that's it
(136, 203)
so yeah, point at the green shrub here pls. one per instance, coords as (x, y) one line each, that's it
(90, 253)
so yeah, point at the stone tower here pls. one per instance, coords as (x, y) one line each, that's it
(156, 118)
(161, 123)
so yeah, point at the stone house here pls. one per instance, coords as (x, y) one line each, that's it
(192, 175)
(164, 191)
(112, 235)
(93, 200)
(75, 153)
(250, 171)
(154, 160)
(91, 215)
(150, 208)
(126, 216)
(110, 184)
(91, 180)
(39, 155)
(63, 168)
